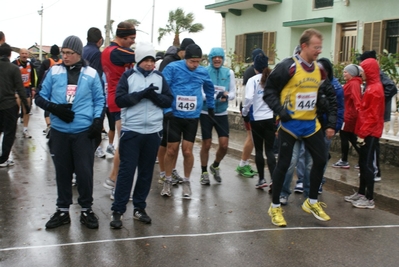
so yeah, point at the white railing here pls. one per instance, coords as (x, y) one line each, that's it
(391, 128)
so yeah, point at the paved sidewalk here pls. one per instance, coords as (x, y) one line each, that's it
(342, 181)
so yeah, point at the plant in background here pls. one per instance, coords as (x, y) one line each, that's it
(388, 64)
(236, 64)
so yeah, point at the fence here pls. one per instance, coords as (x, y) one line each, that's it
(391, 128)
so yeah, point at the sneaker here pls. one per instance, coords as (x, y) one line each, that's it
(162, 179)
(320, 189)
(316, 210)
(253, 171)
(26, 134)
(277, 216)
(176, 178)
(58, 218)
(186, 190)
(116, 220)
(112, 195)
(216, 173)
(89, 218)
(298, 188)
(45, 131)
(284, 200)
(205, 178)
(74, 183)
(261, 183)
(377, 179)
(166, 188)
(141, 215)
(364, 203)
(357, 166)
(109, 184)
(7, 163)
(100, 153)
(245, 171)
(352, 198)
(341, 164)
(110, 149)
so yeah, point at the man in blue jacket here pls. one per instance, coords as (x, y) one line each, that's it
(73, 94)
(186, 79)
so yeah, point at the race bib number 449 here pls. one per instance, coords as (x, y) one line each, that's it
(306, 101)
(186, 103)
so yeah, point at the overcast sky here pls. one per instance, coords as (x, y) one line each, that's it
(21, 22)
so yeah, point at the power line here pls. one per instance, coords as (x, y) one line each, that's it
(28, 14)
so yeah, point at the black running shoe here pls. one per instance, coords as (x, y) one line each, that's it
(58, 218)
(141, 215)
(116, 220)
(89, 218)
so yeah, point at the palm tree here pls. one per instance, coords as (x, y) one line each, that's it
(179, 22)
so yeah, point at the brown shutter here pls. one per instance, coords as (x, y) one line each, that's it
(372, 36)
(269, 45)
(240, 47)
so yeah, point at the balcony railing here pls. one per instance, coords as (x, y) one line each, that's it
(391, 128)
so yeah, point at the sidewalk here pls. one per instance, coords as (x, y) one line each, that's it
(341, 181)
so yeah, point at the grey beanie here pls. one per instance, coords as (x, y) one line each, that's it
(143, 51)
(74, 43)
(353, 70)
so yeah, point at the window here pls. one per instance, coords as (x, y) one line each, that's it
(323, 3)
(348, 41)
(246, 43)
(392, 39)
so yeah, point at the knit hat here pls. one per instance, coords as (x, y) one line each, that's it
(368, 54)
(193, 51)
(144, 51)
(256, 52)
(261, 62)
(186, 42)
(74, 43)
(353, 70)
(159, 55)
(55, 50)
(94, 35)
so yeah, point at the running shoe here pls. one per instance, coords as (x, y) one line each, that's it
(58, 218)
(141, 215)
(364, 203)
(216, 173)
(99, 153)
(261, 183)
(176, 178)
(26, 134)
(352, 198)
(245, 171)
(205, 179)
(161, 179)
(316, 209)
(283, 200)
(89, 218)
(341, 164)
(298, 188)
(110, 149)
(109, 184)
(166, 188)
(277, 216)
(186, 190)
(7, 163)
(116, 220)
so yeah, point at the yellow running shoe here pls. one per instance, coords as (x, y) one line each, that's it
(316, 210)
(277, 216)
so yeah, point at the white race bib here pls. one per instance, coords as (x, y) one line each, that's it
(219, 88)
(306, 101)
(70, 93)
(186, 103)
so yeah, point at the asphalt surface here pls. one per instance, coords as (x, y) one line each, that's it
(222, 225)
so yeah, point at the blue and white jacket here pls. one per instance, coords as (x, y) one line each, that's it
(139, 114)
(186, 86)
(88, 103)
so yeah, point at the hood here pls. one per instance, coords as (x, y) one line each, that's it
(172, 50)
(216, 51)
(371, 69)
(326, 63)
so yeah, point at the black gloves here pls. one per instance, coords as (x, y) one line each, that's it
(211, 112)
(62, 111)
(95, 130)
(169, 116)
(149, 91)
(284, 116)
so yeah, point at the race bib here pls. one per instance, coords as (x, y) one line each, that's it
(25, 77)
(186, 103)
(70, 93)
(306, 101)
(219, 88)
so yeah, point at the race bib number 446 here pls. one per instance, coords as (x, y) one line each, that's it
(306, 101)
(186, 103)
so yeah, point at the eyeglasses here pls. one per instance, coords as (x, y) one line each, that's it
(67, 53)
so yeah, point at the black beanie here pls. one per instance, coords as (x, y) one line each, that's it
(261, 62)
(368, 54)
(94, 35)
(193, 51)
(186, 42)
(55, 50)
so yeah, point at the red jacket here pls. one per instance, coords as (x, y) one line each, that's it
(371, 113)
(352, 96)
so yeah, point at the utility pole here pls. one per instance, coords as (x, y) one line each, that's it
(108, 25)
(41, 32)
(152, 25)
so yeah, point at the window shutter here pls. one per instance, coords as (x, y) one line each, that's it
(372, 36)
(240, 48)
(269, 46)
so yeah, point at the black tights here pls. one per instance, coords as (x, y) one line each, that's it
(347, 137)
